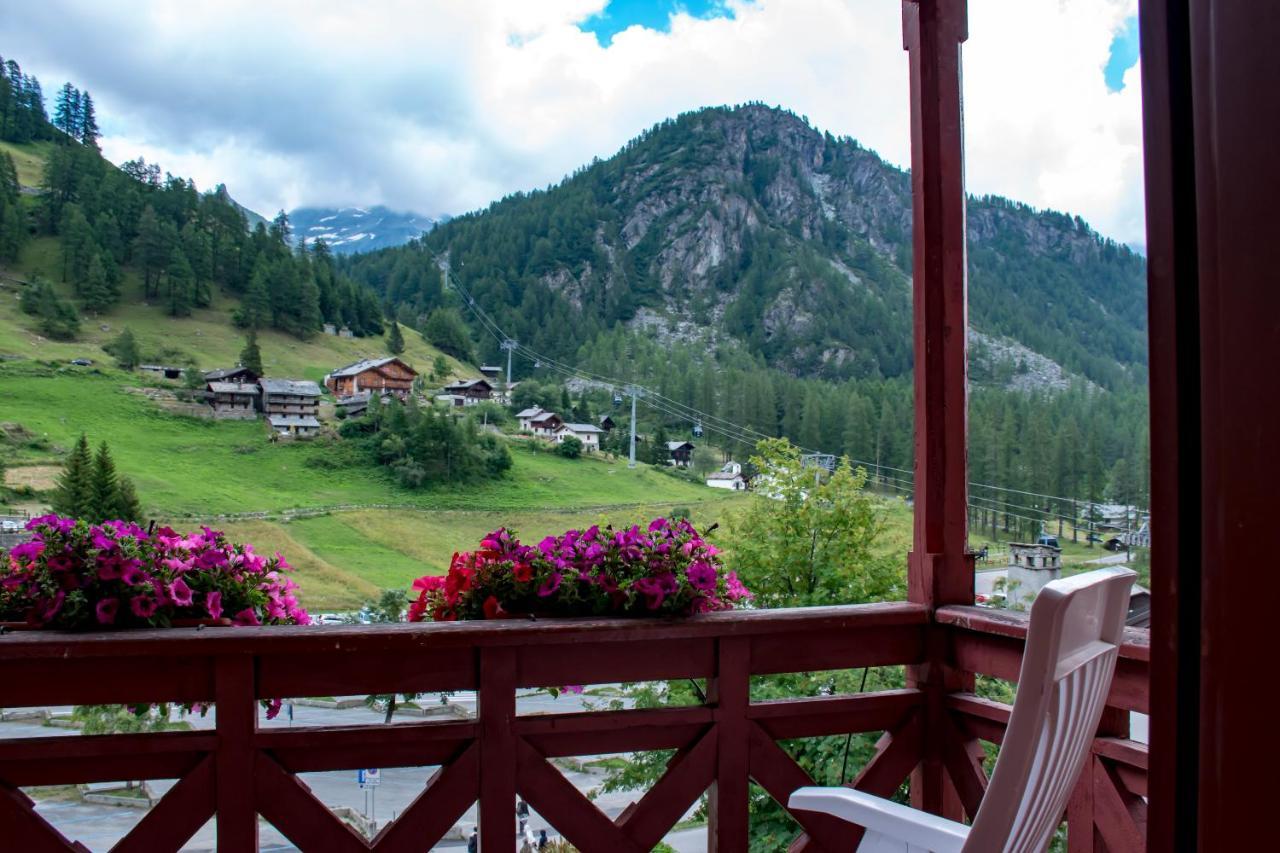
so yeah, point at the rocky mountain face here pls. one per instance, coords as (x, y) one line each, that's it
(357, 229)
(748, 224)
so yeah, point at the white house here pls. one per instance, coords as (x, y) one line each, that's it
(588, 434)
(729, 477)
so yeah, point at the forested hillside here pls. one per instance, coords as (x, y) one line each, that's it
(182, 242)
(747, 266)
(755, 227)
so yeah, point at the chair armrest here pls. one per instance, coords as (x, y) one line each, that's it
(877, 814)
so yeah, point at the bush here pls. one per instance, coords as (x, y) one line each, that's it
(570, 448)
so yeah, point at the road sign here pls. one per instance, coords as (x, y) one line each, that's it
(371, 777)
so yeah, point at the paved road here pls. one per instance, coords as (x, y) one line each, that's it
(99, 826)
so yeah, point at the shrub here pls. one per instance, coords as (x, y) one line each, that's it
(570, 448)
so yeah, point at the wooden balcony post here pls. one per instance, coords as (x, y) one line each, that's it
(940, 568)
(498, 753)
(237, 721)
(729, 693)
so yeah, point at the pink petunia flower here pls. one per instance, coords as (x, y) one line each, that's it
(143, 606)
(106, 610)
(213, 603)
(246, 617)
(180, 593)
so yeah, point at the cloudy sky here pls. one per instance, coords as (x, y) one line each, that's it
(441, 106)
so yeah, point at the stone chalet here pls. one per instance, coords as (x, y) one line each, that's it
(384, 375)
(233, 400)
(588, 434)
(289, 398)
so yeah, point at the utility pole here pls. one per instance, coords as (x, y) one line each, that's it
(509, 345)
(634, 392)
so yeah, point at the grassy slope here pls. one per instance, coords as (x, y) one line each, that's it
(207, 337)
(29, 159)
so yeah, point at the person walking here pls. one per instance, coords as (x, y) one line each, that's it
(473, 845)
(542, 840)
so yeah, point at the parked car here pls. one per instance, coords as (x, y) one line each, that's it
(81, 362)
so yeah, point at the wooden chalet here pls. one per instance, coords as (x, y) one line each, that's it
(468, 392)
(607, 424)
(233, 400)
(289, 397)
(545, 424)
(492, 372)
(681, 453)
(383, 375)
(1193, 781)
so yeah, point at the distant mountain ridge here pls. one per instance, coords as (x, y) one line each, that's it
(746, 223)
(348, 230)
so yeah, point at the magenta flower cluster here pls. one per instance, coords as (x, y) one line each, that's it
(667, 568)
(74, 575)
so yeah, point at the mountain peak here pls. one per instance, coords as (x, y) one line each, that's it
(348, 230)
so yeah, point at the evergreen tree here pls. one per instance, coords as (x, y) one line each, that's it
(150, 248)
(97, 293)
(125, 349)
(127, 506)
(251, 356)
(181, 284)
(66, 112)
(106, 487)
(73, 495)
(88, 127)
(255, 308)
(395, 340)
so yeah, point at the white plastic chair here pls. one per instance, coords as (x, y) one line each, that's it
(1072, 645)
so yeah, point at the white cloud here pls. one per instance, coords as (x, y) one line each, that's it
(439, 106)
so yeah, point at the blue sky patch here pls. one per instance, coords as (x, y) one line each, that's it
(651, 14)
(1124, 55)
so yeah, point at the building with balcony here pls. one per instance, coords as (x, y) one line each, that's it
(1209, 85)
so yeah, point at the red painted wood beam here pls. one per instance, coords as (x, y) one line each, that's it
(940, 571)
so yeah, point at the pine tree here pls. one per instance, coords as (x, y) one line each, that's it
(255, 308)
(106, 487)
(150, 248)
(251, 356)
(125, 349)
(64, 111)
(181, 284)
(395, 340)
(127, 506)
(88, 127)
(73, 496)
(96, 291)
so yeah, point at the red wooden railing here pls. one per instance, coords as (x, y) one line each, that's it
(239, 771)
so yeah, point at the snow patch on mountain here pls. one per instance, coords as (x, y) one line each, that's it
(358, 229)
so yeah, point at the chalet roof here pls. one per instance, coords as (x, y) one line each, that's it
(369, 364)
(582, 428)
(723, 475)
(679, 445)
(293, 420)
(233, 388)
(295, 387)
(490, 368)
(352, 399)
(532, 411)
(545, 416)
(468, 383)
(224, 373)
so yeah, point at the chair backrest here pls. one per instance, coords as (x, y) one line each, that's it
(1072, 645)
